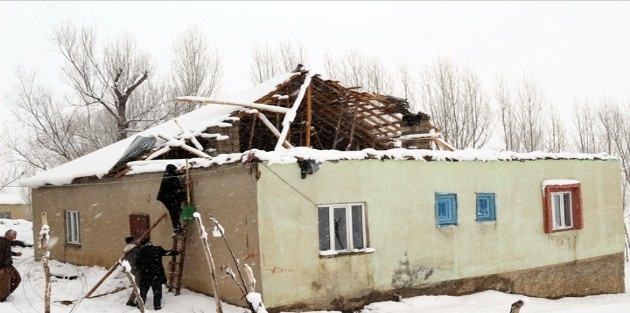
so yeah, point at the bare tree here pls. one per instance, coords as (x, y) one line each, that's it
(291, 54)
(111, 96)
(457, 103)
(355, 69)
(11, 173)
(613, 117)
(52, 132)
(586, 135)
(555, 139)
(506, 114)
(268, 62)
(529, 104)
(196, 70)
(108, 79)
(406, 83)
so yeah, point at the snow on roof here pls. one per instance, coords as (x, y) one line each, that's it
(99, 162)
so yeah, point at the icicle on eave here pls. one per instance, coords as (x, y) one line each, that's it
(289, 116)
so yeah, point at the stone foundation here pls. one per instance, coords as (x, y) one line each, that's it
(600, 275)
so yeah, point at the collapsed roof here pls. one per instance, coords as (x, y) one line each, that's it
(304, 110)
(297, 109)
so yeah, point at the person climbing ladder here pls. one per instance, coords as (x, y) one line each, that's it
(172, 193)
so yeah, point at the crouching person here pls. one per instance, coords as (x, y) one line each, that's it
(152, 275)
(9, 276)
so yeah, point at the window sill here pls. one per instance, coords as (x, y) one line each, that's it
(560, 230)
(72, 245)
(446, 226)
(333, 253)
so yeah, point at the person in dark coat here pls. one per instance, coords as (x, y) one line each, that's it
(130, 254)
(9, 276)
(172, 192)
(152, 273)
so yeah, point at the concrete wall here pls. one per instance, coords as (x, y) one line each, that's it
(18, 211)
(411, 253)
(228, 193)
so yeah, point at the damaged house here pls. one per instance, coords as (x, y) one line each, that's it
(337, 197)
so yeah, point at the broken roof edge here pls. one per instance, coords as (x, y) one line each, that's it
(288, 156)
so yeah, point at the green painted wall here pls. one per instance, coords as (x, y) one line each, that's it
(409, 250)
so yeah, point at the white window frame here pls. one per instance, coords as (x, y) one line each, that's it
(349, 235)
(73, 227)
(559, 210)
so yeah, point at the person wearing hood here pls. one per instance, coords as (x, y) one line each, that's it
(152, 275)
(130, 254)
(172, 193)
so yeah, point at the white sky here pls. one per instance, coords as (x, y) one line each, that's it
(28, 297)
(571, 49)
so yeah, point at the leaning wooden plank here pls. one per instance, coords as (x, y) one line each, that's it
(290, 115)
(182, 145)
(113, 267)
(440, 142)
(273, 129)
(126, 270)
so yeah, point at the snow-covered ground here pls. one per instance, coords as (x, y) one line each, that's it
(67, 294)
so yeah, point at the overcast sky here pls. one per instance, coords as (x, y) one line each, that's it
(571, 49)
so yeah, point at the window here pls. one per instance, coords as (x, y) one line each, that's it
(562, 205)
(6, 215)
(341, 227)
(486, 207)
(72, 227)
(446, 209)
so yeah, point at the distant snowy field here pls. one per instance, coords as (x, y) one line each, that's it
(67, 294)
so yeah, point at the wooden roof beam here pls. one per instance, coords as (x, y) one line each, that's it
(250, 105)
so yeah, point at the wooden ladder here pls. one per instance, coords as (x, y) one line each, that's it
(176, 265)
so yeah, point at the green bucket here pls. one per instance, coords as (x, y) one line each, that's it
(187, 212)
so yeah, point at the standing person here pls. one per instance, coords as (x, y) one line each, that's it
(152, 273)
(9, 276)
(172, 192)
(131, 251)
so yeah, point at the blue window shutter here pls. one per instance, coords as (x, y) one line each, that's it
(446, 209)
(486, 207)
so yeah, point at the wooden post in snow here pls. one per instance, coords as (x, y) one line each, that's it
(43, 243)
(135, 289)
(206, 249)
(516, 306)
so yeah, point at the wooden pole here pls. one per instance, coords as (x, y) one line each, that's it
(308, 117)
(135, 289)
(210, 261)
(43, 242)
(113, 267)
(516, 306)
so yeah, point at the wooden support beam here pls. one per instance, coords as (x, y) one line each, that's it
(308, 117)
(190, 149)
(273, 129)
(251, 105)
